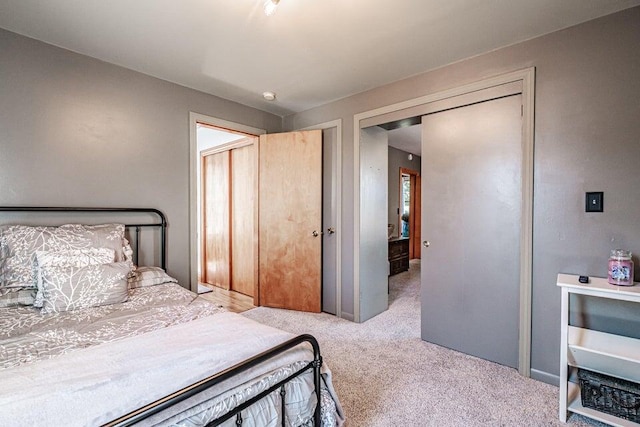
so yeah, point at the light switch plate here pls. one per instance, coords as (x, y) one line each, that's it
(594, 201)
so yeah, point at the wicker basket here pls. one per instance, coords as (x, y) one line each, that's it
(611, 395)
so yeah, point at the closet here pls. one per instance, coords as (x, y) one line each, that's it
(229, 217)
(262, 219)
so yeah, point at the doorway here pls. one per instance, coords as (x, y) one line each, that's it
(410, 209)
(231, 132)
(227, 206)
(525, 80)
(329, 230)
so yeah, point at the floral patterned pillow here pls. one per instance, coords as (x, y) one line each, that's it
(73, 288)
(18, 244)
(70, 258)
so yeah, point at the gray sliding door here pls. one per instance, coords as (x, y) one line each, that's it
(471, 198)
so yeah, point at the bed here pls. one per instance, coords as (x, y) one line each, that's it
(89, 335)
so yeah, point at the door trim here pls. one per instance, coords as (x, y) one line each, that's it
(249, 140)
(527, 77)
(194, 119)
(338, 189)
(415, 210)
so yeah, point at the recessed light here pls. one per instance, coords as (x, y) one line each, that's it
(270, 7)
(269, 96)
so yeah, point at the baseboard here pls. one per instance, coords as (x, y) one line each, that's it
(347, 316)
(545, 377)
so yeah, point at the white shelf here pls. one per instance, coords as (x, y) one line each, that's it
(575, 406)
(598, 286)
(606, 353)
(609, 354)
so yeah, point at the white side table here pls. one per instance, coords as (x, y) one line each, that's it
(606, 353)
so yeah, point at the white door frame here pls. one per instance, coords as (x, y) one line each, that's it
(194, 119)
(527, 77)
(338, 193)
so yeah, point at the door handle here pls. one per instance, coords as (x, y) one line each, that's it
(315, 233)
(426, 243)
(331, 230)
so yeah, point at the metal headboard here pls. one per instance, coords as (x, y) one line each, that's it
(162, 224)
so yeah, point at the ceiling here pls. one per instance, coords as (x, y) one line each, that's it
(407, 139)
(309, 52)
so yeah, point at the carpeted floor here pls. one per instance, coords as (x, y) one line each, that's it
(385, 375)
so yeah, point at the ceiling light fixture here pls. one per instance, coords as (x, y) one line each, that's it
(270, 7)
(269, 96)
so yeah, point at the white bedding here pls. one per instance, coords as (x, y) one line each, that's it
(104, 346)
(81, 387)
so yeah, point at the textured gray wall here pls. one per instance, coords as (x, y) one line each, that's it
(75, 131)
(398, 159)
(586, 139)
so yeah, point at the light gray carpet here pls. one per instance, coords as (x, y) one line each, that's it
(385, 375)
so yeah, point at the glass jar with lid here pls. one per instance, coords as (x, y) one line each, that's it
(620, 268)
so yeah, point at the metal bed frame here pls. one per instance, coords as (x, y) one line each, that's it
(162, 224)
(189, 391)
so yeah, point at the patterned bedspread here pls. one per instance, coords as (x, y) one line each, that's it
(27, 336)
(140, 346)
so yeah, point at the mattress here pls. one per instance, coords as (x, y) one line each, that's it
(89, 366)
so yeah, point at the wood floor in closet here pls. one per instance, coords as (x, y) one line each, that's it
(230, 300)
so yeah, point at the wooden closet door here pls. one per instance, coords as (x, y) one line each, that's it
(290, 220)
(216, 220)
(243, 231)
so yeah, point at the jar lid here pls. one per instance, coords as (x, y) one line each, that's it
(620, 253)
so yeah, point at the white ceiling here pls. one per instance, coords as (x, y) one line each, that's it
(407, 139)
(309, 52)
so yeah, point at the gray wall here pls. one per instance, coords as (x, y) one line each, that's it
(75, 131)
(586, 139)
(398, 159)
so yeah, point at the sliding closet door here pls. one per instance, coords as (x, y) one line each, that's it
(243, 231)
(216, 220)
(471, 194)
